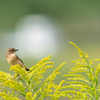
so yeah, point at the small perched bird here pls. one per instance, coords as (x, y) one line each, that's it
(14, 59)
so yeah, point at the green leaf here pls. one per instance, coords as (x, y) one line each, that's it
(36, 89)
(29, 82)
(24, 94)
(38, 96)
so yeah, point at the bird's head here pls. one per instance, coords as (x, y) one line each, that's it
(11, 50)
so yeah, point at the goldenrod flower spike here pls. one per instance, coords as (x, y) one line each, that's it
(85, 85)
(81, 84)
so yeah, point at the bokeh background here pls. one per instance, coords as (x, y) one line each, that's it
(39, 28)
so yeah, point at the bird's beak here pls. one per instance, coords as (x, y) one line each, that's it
(16, 50)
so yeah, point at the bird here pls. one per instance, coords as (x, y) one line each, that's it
(13, 59)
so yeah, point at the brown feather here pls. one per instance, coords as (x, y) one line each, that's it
(19, 58)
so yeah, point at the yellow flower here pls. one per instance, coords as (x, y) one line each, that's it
(29, 96)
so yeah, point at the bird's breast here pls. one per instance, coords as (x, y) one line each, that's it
(12, 59)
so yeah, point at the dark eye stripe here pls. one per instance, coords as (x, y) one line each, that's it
(12, 50)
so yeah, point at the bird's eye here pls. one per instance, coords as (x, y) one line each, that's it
(12, 50)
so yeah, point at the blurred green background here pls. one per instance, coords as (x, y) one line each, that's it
(70, 20)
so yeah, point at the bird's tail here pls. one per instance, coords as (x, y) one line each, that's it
(26, 68)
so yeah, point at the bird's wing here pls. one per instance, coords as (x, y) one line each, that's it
(19, 59)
